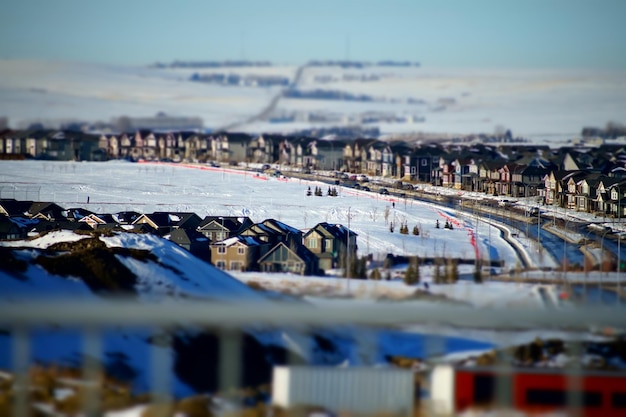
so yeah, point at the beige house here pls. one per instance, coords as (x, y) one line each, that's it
(238, 253)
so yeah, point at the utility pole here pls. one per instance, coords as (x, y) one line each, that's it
(348, 252)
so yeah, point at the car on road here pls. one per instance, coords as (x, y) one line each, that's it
(366, 188)
(383, 191)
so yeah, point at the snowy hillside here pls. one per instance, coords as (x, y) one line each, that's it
(63, 265)
(31, 90)
(169, 270)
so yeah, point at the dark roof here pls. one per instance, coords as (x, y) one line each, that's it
(300, 250)
(338, 231)
(231, 223)
(174, 219)
(15, 207)
(52, 210)
(281, 227)
(181, 236)
(47, 225)
(126, 217)
(77, 213)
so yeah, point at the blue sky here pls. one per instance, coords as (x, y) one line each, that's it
(472, 33)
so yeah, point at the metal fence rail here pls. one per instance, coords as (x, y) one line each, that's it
(227, 320)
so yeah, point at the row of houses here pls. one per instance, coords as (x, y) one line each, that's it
(228, 242)
(571, 177)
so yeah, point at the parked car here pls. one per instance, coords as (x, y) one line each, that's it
(366, 188)
(532, 211)
(383, 191)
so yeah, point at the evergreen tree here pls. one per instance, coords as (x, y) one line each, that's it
(416, 230)
(410, 277)
(375, 275)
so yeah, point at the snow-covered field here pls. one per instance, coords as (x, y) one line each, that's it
(544, 105)
(31, 90)
(116, 186)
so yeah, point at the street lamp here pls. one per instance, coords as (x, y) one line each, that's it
(619, 265)
(585, 266)
(565, 250)
(619, 242)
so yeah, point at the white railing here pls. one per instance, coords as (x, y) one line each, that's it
(227, 319)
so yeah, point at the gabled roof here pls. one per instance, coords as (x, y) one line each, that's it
(258, 229)
(171, 219)
(239, 240)
(299, 251)
(126, 217)
(230, 223)
(77, 213)
(15, 207)
(281, 227)
(47, 209)
(337, 231)
(99, 218)
(187, 236)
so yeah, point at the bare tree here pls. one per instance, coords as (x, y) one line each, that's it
(373, 213)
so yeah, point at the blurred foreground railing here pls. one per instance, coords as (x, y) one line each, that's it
(227, 319)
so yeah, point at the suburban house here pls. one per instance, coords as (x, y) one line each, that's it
(217, 228)
(193, 241)
(47, 211)
(237, 253)
(296, 260)
(164, 222)
(332, 244)
(95, 220)
(286, 234)
(11, 230)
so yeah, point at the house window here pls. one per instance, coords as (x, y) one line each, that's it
(412, 170)
(329, 245)
(221, 249)
(220, 264)
(312, 243)
(236, 266)
(424, 162)
(241, 250)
